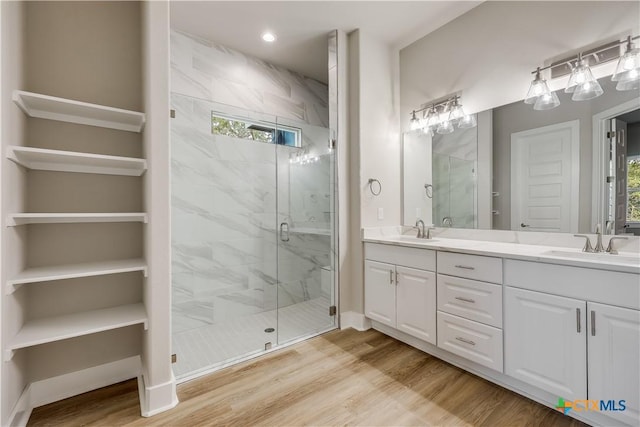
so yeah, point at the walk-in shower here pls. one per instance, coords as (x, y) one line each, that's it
(252, 225)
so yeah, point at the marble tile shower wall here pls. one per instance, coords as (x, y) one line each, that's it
(206, 70)
(224, 189)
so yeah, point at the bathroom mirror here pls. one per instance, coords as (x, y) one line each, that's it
(553, 170)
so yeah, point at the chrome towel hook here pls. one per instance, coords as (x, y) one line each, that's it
(371, 186)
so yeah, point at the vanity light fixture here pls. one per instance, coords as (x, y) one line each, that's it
(582, 83)
(442, 117)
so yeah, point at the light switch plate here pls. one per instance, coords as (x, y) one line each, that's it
(380, 213)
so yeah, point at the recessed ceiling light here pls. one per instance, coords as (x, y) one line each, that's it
(269, 37)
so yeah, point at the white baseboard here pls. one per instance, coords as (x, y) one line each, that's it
(78, 382)
(158, 398)
(53, 389)
(357, 321)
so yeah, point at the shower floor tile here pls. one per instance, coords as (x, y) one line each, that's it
(207, 347)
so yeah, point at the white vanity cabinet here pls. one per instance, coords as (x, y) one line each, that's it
(400, 289)
(568, 344)
(545, 342)
(614, 358)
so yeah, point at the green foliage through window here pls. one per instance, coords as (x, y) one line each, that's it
(633, 190)
(254, 131)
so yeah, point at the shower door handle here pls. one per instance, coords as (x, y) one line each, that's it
(284, 232)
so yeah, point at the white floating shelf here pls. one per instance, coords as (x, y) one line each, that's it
(73, 218)
(84, 113)
(69, 161)
(57, 328)
(62, 272)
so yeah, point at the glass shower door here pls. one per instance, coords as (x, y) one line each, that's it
(306, 219)
(224, 238)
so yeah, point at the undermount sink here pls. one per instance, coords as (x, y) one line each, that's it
(618, 259)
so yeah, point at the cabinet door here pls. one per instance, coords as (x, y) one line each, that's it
(380, 292)
(614, 358)
(545, 342)
(416, 303)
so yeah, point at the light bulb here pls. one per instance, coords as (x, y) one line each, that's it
(628, 63)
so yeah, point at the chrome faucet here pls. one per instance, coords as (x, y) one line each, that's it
(599, 247)
(587, 244)
(612, 250)
(428, 236)
(420, 229)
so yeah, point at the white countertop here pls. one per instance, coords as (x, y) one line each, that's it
(627, 262)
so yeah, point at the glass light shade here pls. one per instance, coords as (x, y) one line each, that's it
(427, 130)
(456, 112)
(630, 84)
(587, 90)
(628, 63)
(432, 118)
(628, 80)
(537, 89)
(467, 121)
(547, 101)
(414, 123)
(580, 75)
(445, 127)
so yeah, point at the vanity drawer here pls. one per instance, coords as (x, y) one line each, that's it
(472, 340)
(602, 286)
(484, 268)
(423, 259)
(473, 300)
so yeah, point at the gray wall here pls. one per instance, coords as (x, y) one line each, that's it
(519, 116)
(88, 51)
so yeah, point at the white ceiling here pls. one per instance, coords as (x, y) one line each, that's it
(302, 26)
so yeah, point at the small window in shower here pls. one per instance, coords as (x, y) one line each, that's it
(255, 131)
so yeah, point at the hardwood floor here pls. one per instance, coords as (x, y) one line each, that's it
(339, 378)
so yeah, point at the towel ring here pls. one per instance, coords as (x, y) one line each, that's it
(428, 188)
(371, 181)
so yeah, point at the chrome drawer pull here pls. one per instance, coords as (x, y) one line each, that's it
(466, 341)
(391, 277)
(466, 267)
(466, 300)
(593, 323)
(578, 322)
